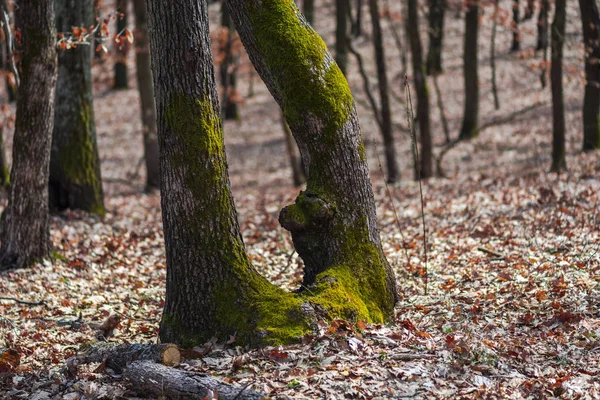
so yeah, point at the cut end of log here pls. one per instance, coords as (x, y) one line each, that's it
(171, 356)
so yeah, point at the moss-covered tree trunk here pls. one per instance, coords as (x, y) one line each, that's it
(426, 153)
(342, 7)
(590, 18)
(542, 25)
(121, 73)
(308, 8)
(24, 230)
(470, 71)
(228, 67)
(393, 173)
(212, 289)
(146, 90)
(437, 10)
(516, 31)
(75, 180)
(559, 162)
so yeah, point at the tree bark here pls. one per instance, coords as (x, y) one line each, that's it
(470, 70)
(542, 25)
(341, 34)
(437, 9)
(590, 18)
(420, 79)
(148, 378)
(24, 231)
(559, 162)
(4, 168)
(75, 180)
(516, 37)
(146, 90)
(393, 173)
(308, 9)
(121, 73)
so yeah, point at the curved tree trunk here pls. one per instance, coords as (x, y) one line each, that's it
(516, 38)
(24, 231)
(426, 161)
(212, 289)
(75, 181)
(393, 173)
(341, 33)
(470, 70)
(147, 104)
(436, 36)
(590, 18)
(121, 74)
(559, 162)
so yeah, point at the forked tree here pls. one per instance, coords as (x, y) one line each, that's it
(590, 18)
(212, 287)
(24, 230)
(75, 181)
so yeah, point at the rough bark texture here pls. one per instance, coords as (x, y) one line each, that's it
(470, 70)
(393, 173)
(24, 231)
(75, 181)
(342, 7)
(590, 18)
(516, 37)
(437, 9)
(228, 68)
(147, 378)
(308, 8)
(147, 104)
(559, 162)
(542, 25)
(121, 73)
(426, 155)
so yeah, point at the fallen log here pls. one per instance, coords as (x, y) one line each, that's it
(117, 357)
(150, 379)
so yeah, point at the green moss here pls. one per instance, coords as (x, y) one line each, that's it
(362, 151)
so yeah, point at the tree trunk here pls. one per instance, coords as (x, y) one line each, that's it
(11, 91)
(24, 231)
(308, 9)
(148, 378)
(293, 154)
(493, 56)
(470, 70)
(341, 34)
(212, 288)
(386, 117)
(147, 104)
(516, 39)
(590, 18)
(4, 169)
(436, 36)
(121, 74)
(426, 161)
(75, 181)
(228, 68)
(542, 25)
(357, 25)
(559, 162)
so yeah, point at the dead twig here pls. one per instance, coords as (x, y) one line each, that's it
(27, 303)
(492, 252)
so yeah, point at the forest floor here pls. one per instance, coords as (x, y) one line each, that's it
(505, 303)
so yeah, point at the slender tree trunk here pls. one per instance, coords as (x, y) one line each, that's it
(470, 70)
(293, 154)
(98, 35)
(426, 161)
(493, 56)
(121, 74)
(530, 10)
(308, 8)
(590, 18)
(4, 169)
(358, 20)
(436, 36)
(24, 231)
(516, 40)
(75, 181)
(228, 68)
(542, 25)
(147, 104)
(386, 117)
(341, 34)
(558, 107)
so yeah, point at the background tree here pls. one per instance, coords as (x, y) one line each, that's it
(437, 10)
(308, 9)
(516, 31)
(146, 90)
(542, 25)
(393, 173)
(559, 162)
(75, 180)
(341, 33)
(357, 20)
(212, 289)
(426, 161)
(228, 67)
(590, 18)
(24, 231)
(121, 73)
(470, 66)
